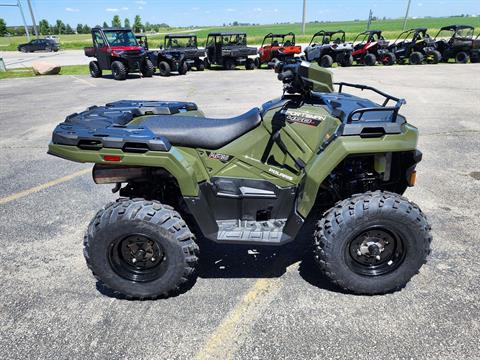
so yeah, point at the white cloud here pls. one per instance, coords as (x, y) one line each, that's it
(111, 9)
(141, 2)
(125, 8)
(140, 8)
(275, 10)
(257, 9)
(231, 10)
(69, 9)
(195, 8)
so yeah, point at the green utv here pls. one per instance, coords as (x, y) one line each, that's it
(254, 179)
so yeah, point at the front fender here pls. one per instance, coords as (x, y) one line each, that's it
(318, 169)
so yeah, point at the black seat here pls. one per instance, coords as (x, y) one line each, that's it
(202, 132)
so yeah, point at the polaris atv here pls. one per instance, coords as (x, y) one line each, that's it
(458, 45)
(117, 49)
(186, 44)
(372, 47)
(229, 49)
(254, 179)
(167, 60)
(277, 47)
(416, 46)
(326, 52)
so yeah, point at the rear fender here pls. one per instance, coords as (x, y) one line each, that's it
(318, 169)
(182, 163)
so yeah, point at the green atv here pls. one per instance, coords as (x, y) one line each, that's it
(254, 179)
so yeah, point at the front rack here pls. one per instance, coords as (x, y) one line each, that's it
(383, 108)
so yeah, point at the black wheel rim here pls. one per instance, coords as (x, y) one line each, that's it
(138, 258)
(375, 251)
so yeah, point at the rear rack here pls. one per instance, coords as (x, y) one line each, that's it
(383, 108)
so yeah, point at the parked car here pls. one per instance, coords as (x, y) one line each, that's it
(416, 46)
(372, 47)
(458, 45)
(326, 52)
(39, 45)
(117, 49)
(229, 49)
(277, 47)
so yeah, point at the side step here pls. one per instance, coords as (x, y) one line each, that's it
(238, 231)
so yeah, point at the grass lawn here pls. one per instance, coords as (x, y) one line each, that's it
(28, 72)
(391, 29)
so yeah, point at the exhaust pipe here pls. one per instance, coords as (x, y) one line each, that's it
(106, 174)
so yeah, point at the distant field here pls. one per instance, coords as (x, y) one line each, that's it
(255, 34)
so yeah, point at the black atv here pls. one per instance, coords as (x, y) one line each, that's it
(186, 43)
(459, 44)
(229, 49)
(416, 46)
(167, 61)
(326, 52)
(117, 49)
(475, 51)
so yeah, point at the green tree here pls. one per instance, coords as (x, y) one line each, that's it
(86, 29)
(79, 29)
(105, 25)
(137, 24)
(126, 23)
(69, 30)
(44, 27)
(59, 27)
(116, 21)
(3, 27)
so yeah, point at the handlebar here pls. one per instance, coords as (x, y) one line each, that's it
(285, 75)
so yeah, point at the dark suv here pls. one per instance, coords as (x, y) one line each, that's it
(39, 44)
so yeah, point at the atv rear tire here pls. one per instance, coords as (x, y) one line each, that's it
(370, 59)
(372, 243)
(326, 61)
(119, 71)
(200, 65)
(229, 64)
(95, 70)
(183, 68)
(345, 60)
(164, 68)
(462, 57)
(434, 57)
(250, 64)
(147, 69)
(416, 58)
(140, 249)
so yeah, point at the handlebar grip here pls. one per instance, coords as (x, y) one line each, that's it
(285, 75)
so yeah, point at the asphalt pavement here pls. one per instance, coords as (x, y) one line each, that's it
(244, 305)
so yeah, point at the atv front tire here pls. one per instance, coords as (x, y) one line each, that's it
(183, 68)
(389, 59)
(95, 70)
(140, 249)
(372, 243)
(434, 57)
(416, 58)
(164, 68)
(200, 65)
(326, 61)
(119, 71)
(345, 60)
(147, 68)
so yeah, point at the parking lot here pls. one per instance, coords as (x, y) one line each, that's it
(257, 305)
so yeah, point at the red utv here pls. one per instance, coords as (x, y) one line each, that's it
(117, 49)
(372, 47)
(277, 47)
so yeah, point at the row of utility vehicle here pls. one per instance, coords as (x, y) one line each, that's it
(123, 52)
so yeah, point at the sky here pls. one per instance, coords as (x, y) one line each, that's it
(218, 12)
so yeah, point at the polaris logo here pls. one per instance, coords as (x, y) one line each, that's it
(279, 174)
(217, 156)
